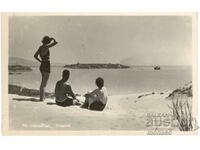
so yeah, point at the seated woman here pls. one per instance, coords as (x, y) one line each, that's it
(63, 92)
(97, 99)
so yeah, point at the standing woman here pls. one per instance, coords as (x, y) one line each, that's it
(43, 52)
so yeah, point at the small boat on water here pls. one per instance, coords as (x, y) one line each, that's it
(156, 68)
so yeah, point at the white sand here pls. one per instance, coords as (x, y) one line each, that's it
(123, 112)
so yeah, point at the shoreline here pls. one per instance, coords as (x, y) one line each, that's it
(23, 91)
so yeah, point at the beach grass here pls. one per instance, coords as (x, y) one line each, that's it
(182, 112)
(181, 100)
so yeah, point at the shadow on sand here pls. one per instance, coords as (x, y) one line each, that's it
(27, 99)
(51, 103)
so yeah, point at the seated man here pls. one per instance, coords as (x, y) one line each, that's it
(63, 92)
(97, 99)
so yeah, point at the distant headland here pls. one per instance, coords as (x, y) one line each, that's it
(18, 68)
(96, 66)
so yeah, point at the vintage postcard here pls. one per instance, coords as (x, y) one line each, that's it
(99, 73)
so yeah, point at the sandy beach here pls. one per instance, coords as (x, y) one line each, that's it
(139, 92)
(123, 112)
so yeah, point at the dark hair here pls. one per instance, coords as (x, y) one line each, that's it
(46, 40)
(65, 74)
(100, 82)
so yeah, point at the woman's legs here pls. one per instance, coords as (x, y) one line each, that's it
(91, 100)
(88, 101)
(45, 77)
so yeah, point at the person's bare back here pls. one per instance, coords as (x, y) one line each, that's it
(63, 92)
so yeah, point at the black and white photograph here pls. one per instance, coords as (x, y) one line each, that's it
(100, 73)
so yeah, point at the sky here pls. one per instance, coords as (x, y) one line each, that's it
(129, 40)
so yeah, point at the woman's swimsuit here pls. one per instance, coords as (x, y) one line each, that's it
(66, 102)
(45, 64)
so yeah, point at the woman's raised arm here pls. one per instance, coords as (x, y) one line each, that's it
(52, 43)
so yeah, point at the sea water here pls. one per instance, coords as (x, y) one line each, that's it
(118, 81)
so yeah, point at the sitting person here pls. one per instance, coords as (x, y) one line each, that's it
(97, 99)
(63, 92)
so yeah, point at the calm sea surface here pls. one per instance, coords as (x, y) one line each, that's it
(117, 81)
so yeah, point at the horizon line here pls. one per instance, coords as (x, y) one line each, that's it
(104, 63)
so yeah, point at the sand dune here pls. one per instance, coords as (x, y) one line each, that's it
(123, 112)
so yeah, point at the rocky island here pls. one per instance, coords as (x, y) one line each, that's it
(18, 68)
(19, 90)
(96, 66)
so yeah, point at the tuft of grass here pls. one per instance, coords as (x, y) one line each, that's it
(181, 107)
(182, 111)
